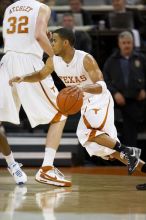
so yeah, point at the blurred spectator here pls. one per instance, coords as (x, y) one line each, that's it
(76, 8)
(125, 75)
(121, 18)
(83, 40)
(119, 6)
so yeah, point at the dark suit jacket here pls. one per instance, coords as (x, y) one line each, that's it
(114, 76)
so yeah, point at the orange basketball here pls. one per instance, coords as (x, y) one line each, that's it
(69, 103)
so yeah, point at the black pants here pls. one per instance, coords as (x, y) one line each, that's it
(132, 114)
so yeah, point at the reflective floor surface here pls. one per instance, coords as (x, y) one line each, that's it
(96, 195)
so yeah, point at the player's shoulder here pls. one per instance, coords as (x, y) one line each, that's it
(45, 8)
(81, 53)
(89, 60)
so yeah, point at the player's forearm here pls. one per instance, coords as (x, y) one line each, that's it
(45, 44)
(92, 88)
(33, 77)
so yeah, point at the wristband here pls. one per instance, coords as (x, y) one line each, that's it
(103, 85)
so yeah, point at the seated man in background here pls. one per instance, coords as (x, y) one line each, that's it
(83, 41)
(76, 8)
(132, 19)
(119, 9)
(125, 75)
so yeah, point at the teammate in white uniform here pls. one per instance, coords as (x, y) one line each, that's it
(79, 71)
(25, 38)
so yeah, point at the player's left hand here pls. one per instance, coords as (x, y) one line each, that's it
(16, 79)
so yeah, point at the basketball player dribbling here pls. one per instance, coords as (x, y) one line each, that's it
(79, 70)
(25, 38)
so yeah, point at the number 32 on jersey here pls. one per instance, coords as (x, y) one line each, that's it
(18, 25)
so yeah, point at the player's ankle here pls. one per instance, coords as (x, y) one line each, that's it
(120, 147)
(10, 159)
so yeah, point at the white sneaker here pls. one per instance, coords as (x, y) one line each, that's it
(52, 176)
(18, 174)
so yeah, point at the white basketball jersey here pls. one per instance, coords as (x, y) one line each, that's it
(73, 73)
(19, 27)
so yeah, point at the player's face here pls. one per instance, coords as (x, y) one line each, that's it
(126, 45)
(57, 44)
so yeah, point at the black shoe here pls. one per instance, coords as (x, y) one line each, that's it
(141, 186)
(132, 154)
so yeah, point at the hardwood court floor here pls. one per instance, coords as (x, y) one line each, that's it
(97, 193)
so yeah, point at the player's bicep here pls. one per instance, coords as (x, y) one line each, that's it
(92, 68)
(42, 20)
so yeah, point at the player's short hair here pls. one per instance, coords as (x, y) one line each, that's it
(66, 34)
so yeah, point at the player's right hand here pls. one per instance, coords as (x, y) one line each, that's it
(16, 79)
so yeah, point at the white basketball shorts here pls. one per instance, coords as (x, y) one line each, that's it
(37, 99)
(96, 119)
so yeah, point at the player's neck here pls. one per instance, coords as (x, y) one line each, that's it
(68, 55)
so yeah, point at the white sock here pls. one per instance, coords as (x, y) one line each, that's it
(9, 159)
(49, 156)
